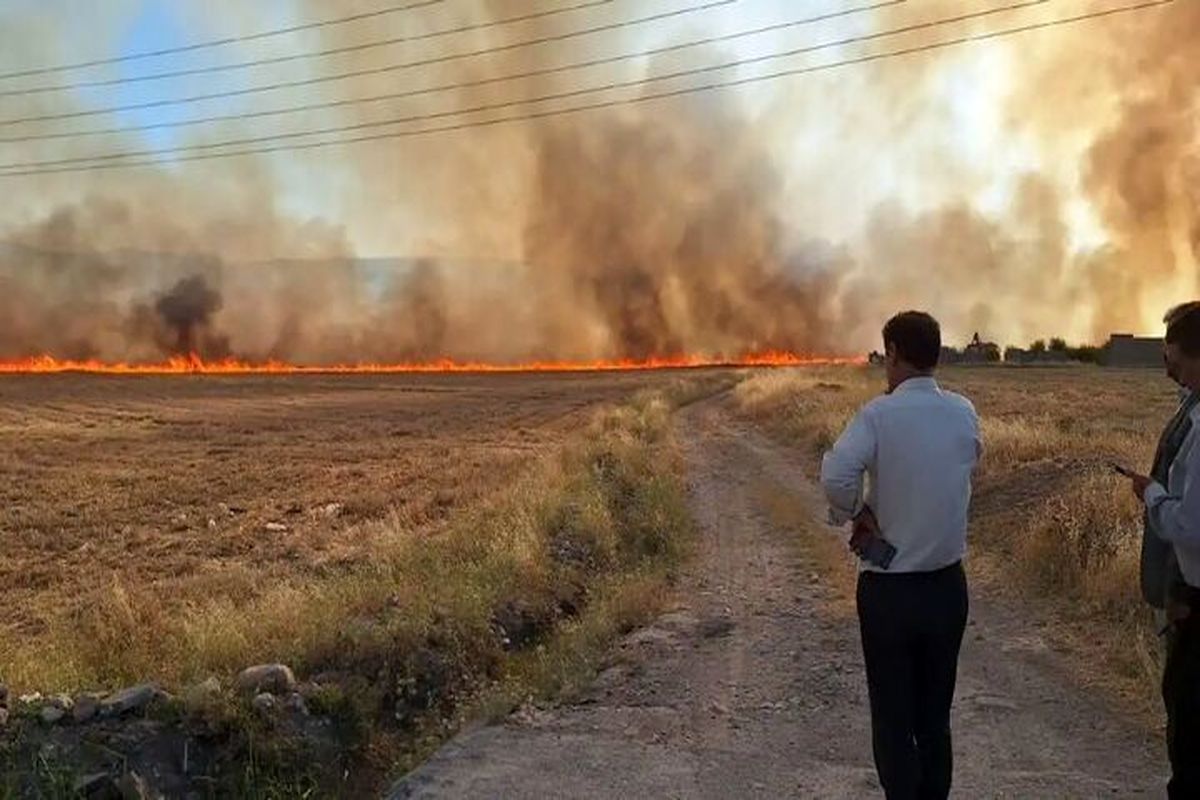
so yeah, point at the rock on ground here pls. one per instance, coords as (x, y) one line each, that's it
(128, 701)
(270, 678)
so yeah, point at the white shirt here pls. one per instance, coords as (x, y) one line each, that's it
(919, 445)
(1174, 509)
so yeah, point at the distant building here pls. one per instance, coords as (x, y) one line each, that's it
(1020, 355)
(981, 352)
(977, 352)
(1017, 355)
(1126, 350)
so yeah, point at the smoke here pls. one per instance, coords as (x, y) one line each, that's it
(1135, 81)
(691, 225)
(669, 240)
(187, 310)
(1142, 174)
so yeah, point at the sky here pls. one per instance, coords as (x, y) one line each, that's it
(968, 98)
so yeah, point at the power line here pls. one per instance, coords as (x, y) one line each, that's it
(187, 48)
(459, 85)
(932, 46)
(353, 48)
(425, 117)
(559, 37)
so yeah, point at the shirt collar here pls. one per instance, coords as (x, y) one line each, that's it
(918, 384)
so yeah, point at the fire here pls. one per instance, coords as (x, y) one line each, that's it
(194, 365)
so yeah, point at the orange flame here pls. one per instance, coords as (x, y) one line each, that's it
(194, 365)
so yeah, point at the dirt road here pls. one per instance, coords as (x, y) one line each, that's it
(754, 685)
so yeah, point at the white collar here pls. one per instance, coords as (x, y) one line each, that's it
(920, 383)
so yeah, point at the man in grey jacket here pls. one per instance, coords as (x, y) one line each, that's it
(1159, 568)
(1171, 551)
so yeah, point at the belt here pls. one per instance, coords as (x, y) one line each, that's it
(901, 577)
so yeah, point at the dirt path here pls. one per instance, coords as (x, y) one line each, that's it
(754, 685)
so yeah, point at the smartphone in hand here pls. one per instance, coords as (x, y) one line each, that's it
(867, 540)
(879, 551)
(1122, 470)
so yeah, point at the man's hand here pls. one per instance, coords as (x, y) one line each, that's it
(1139, 484)
(865, 528)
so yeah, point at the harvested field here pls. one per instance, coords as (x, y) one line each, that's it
(170, 491)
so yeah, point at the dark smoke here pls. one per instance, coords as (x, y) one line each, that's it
(669, 240)
(187, 310)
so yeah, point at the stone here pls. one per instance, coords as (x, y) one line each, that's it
(276, 527)
(202, 692)
(332, 509)
(126, 701)
(993, 703)
(30, 699)
(212, 523)
(52, 715)
(87, 707)
(62, 701)
(264, 703)
(270, 678)
(295, 704)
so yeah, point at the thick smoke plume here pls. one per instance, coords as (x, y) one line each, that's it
(187, 310)
(654, 229)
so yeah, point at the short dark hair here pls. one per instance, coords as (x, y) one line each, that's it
(1183, 328)
(1180, 311)
(916, 338)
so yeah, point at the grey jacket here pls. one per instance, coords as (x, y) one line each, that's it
(1160, 569)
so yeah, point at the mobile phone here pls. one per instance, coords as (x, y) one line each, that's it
(1121, 470)
(879, 551)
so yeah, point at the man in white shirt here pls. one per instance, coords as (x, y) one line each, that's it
(1173, 516)
(917, 446)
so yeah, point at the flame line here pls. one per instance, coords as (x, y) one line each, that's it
(194, 365)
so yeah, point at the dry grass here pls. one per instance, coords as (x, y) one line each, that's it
(446, 488)
(1050, 524)
(515, 595)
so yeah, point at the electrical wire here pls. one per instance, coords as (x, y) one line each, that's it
(684, 73)
(929, 47)
(559, 37)
(245, 115)
(188, 48)
(258, 62)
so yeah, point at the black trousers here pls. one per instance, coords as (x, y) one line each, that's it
(912, 627)
(1181, 693)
